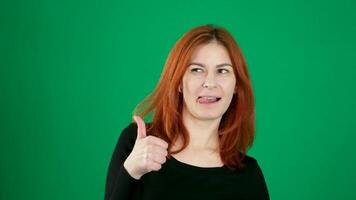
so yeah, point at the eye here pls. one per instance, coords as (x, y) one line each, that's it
(223, 71)
(196, 70)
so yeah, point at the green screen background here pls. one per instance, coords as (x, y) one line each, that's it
(73, 71)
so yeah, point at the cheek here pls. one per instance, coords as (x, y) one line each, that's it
(191, 85)
(228, 86)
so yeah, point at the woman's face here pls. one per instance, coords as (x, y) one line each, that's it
(208, 83)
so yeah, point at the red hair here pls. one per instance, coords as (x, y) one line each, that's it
(237, 126)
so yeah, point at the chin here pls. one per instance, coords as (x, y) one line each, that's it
(211, 116)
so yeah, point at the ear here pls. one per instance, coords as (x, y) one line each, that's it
(180, 88)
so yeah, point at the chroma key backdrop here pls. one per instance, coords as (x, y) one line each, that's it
(72, 71)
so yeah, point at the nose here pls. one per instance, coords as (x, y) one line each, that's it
(209, 81)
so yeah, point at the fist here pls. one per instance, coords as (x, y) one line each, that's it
(148, 154)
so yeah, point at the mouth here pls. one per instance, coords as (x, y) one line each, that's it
(208, 99)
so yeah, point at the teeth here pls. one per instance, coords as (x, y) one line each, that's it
(209, 97)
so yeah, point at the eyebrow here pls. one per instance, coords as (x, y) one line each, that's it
(217, 66)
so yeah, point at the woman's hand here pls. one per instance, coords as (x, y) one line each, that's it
(148, 154)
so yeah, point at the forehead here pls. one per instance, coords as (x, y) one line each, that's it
(212, 52)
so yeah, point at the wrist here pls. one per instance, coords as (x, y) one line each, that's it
(131, 170)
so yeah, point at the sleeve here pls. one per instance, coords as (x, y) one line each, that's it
(259, 184)
(119, 184)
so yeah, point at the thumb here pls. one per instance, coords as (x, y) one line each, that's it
(141, 127)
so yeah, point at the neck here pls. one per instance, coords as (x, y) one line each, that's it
(203, 133)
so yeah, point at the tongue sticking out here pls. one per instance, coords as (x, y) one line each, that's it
(205, 100)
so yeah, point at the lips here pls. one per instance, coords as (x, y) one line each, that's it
(208, 99)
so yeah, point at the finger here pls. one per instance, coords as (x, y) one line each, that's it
(156, 149)
(141, 127)
(154, 166)
(158, 158)
(157, 141)
(160, 150)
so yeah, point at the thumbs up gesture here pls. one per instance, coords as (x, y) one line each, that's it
(148, 154)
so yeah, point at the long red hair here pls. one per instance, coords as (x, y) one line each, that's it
(237, 126)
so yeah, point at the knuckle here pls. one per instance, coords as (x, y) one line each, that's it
(156, 167)
(165, 144)
(151, 165)
(159, 167)
(163, 159)
(147, 141)
(150, 147)
(149, 138)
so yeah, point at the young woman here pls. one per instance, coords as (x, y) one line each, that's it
(203, 124)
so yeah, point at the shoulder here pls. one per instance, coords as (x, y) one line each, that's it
(250, 163)
(129, 133)
(253, 169)
(249, 160)
(127, 137)
(255, 178)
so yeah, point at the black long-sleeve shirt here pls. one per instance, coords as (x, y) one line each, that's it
(177, 180)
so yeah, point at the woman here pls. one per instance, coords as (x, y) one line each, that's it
(203, 124)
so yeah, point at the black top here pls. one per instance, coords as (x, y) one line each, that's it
(178, 180)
